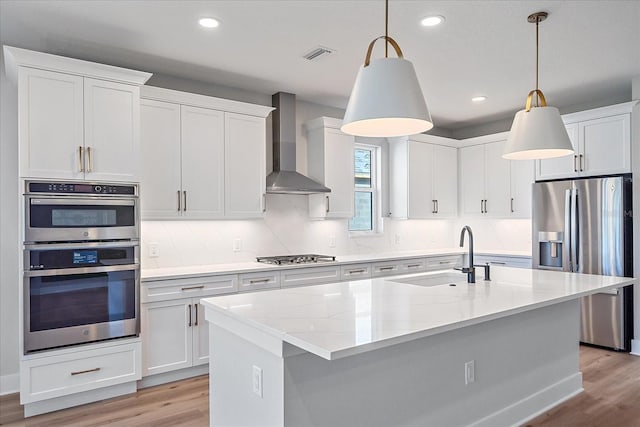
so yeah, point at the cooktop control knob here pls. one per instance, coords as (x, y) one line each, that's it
(97, 189)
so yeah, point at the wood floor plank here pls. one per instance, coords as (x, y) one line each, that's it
(611, 399)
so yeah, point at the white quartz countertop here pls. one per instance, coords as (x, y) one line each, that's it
(342, 319)
(246, 267)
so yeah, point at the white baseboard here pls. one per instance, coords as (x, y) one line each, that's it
(63, 402)
(536, 404)
(169, 377)
(9, 384)
(635, 347)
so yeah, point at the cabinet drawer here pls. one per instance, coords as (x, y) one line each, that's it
(443, 262)
(310, 276)
(259, 281)
(503, 261)
(355, 271)
(385, 268)
(60, 375)
(413, 265)
(163, 290)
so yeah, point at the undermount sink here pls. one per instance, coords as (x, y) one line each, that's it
(432, 279)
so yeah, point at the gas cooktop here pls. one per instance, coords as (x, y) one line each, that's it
(296, 259)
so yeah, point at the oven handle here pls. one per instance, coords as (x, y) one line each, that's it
(72, 201)
(84, 270)
(84, 245)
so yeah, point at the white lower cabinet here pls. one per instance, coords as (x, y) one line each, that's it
(60, 373)
(502, 261)
(174, 333)
(355, 271)
(259, 281)
(310, 276)
(443, 262)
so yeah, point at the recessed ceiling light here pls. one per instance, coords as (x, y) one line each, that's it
(209, 22)
(481, 98)
(432, 21)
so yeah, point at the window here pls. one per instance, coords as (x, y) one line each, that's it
(366, 209)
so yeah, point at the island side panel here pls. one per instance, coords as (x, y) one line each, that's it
(231, 396)
(523, 364)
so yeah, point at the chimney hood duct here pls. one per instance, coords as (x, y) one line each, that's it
(284, 179)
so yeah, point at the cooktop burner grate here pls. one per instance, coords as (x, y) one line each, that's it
(296, 259)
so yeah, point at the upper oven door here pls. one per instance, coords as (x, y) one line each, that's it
(70, 218)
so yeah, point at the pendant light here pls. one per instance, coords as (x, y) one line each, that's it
(386, 99)
(537, 132)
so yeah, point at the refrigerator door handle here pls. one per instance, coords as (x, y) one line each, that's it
(567, 253)
(575, 227)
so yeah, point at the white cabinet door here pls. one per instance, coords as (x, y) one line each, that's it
(522, 177)
(245, 176)
(472, 180)
(160, 176)
(51, 124)
(202, 135)
(606, 145)
(330, 162)
(166, 336)
(421, 200)
(561, 167)
(497, 188)
(111, 130)
(445, 180)
(200, 335)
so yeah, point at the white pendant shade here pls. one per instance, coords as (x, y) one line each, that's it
(537, 134)
(386, 101)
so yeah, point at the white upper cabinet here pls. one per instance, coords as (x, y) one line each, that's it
(602, 142)
(491, 186)
(199, 161)
(330, 162)
(424, 178)
(80, 121)
(245, 169)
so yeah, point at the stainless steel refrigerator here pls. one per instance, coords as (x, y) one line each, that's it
(585, 226)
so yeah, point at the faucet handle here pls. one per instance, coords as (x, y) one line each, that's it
(487, 271)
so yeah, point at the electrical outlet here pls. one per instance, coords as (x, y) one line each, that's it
(332, 241)
(470, 372)
(154, 250)
(257, 381)
(237, 245)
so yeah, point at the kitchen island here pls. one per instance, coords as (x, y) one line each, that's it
(387, 352)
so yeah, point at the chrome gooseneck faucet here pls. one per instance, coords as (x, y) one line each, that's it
(471, 271)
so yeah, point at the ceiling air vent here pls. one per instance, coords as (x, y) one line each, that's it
(317, 53)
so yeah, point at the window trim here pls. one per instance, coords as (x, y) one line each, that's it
(376, 181)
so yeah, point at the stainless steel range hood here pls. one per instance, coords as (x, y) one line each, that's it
(284, 179)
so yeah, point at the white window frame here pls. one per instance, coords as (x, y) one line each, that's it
(376, 175)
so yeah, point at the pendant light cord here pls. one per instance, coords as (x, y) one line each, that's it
(386, 28)
(537, 48)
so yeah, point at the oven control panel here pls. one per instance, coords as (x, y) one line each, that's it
(80, 188)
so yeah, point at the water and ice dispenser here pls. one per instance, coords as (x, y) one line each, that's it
(550, 248)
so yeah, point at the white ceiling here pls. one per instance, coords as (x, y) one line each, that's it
(590, 50)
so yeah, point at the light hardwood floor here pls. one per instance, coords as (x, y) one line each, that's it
(611, 398)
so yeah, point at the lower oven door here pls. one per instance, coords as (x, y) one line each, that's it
(79, 305)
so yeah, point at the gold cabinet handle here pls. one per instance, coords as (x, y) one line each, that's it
(179, 202)
(80, 159)
(85, 371)
(258, 281)
(185, 201)
(89, 162)
(189, 324)
(189, 288)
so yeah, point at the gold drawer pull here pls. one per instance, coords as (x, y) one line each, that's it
(258, 281)
(189, 288)
(85, 372)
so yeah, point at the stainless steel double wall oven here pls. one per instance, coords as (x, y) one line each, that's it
(81, 263)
